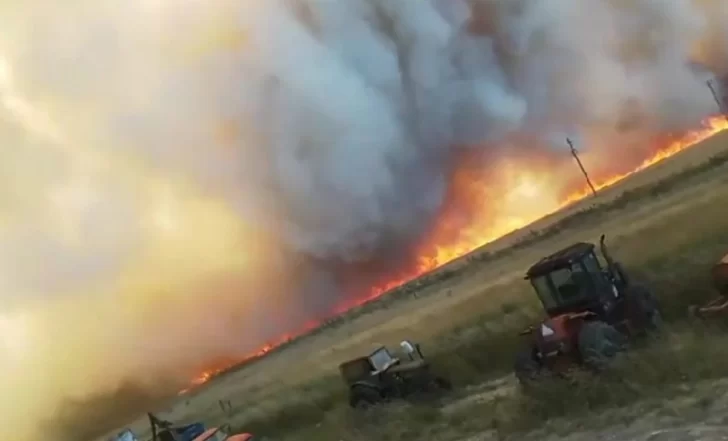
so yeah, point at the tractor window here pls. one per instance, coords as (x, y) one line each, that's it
(381, 359)
(591, 263)
(543, 289)
(564, 286)
(571, 284)
(566, 281)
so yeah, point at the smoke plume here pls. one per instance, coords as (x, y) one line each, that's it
(183, 180)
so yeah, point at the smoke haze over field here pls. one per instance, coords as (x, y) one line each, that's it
(182, 180)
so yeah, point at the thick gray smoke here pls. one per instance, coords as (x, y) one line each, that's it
(194, 156)
(350, 110)
(341, 115)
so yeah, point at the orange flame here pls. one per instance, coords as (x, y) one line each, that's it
(437, 252)
(711, 126)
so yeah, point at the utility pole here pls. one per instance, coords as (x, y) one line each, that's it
(575, 154)
(718, 101)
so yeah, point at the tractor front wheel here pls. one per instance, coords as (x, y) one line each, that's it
(527, 368)
(441, 383)
(364, 397)
(433, 387)
(599, 343)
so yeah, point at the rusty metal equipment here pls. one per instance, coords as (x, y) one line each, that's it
(719, 305)
(163, 430)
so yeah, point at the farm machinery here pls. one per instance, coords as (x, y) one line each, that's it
(163, 430)
(591, 312)
(381, 377)
(719, 305)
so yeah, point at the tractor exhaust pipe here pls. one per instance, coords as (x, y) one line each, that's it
(605, 253)
(615, 269)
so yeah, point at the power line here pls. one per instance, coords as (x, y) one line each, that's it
(719, 102)
(575, 154)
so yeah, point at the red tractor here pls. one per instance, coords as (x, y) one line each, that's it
(592, 311)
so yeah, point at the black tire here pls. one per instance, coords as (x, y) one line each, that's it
(364, 397)
(526, 368)
(599, 343)
(441, 383)
(648, 308)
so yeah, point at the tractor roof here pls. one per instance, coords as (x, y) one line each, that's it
(559, 259)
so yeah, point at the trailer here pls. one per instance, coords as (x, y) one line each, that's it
(163, 430)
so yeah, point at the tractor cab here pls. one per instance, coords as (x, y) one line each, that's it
(573, 280)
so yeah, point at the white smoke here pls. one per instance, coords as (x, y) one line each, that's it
(152, 148)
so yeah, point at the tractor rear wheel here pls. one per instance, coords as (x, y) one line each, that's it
(526, 368)
(599, 343)
(432, 388)
(440, 383)
(364, 397)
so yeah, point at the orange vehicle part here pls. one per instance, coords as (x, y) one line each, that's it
(720, 275)
(241, 437)
(556, 339)
(719, 305)
(565, 326)
(214, 433)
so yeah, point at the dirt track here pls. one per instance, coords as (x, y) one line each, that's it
(700, 415)
(691, 432)
(657, 431)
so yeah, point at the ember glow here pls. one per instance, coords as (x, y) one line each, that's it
(435, 252)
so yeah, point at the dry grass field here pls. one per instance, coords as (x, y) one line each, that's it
(667, 225)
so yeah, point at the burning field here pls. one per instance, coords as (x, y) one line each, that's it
(446, 243)
(189, 182)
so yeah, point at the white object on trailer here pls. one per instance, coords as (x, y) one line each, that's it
(408, 348)
(126, 435)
